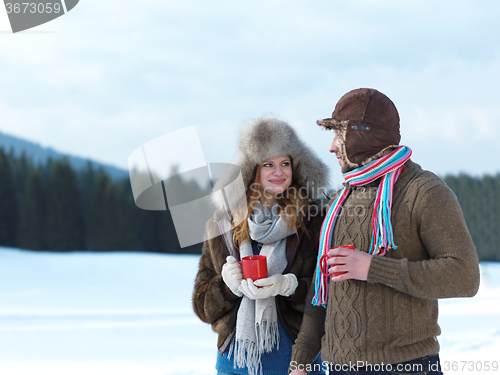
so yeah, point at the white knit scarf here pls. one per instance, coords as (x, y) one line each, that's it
(257, 320)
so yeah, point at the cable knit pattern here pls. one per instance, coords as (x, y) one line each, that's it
(392, 317)
(347, 320)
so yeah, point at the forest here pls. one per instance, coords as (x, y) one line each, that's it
(53, 207)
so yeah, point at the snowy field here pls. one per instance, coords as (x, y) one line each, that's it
(130, 314)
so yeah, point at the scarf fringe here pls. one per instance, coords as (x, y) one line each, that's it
(247, 353)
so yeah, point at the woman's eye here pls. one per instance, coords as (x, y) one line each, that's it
(285, 164)
(268, 165)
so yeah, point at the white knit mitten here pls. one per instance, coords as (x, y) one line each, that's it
(232, 275)
(284, 285)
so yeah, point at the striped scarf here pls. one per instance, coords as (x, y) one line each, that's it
(388, 169)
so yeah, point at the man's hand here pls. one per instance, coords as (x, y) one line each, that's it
(355, 262)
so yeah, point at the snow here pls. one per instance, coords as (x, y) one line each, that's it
(130, 314)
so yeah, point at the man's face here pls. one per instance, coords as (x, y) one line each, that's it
(335, 147)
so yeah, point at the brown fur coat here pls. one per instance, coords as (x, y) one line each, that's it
(214, 303)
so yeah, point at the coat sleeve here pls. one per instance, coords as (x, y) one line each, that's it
(306, 261)
(452, 269)
(212, 299)
(308, 343)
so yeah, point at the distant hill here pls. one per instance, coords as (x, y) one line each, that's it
(40, 155)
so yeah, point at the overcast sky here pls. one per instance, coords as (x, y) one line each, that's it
(111, 75)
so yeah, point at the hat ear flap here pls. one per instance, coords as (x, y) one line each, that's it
(342, 134)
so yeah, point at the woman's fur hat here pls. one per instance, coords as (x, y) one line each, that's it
(266, 138)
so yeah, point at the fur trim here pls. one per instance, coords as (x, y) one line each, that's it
(379, 154)
(266, 138)
(329, 124)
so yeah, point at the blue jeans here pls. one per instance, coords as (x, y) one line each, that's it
(429, 365)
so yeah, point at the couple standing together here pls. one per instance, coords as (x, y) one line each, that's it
(411, 247)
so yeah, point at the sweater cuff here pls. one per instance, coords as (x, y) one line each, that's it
(384, 270)
(300, 359)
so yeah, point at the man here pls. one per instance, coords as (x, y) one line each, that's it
(412, 246)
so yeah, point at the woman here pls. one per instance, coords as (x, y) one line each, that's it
(257, 322)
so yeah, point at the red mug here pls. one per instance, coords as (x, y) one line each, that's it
(324, 267)
(254, 267)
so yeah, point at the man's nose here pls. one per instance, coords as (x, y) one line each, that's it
(334, 146)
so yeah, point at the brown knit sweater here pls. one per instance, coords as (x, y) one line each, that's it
(393, 316)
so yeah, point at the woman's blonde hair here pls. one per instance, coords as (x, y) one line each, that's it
(291, 206)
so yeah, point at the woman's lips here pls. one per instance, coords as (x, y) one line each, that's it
(277, 181)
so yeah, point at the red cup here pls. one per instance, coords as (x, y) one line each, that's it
(324, 267)
(254, 267)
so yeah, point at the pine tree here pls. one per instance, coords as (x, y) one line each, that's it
(154, 233)
(480, 204)
(111, 217)
(21, 166)
(65, 224)
(8, 204)
(86, 181)
(32, 214)
(126, 222)
(98, 220)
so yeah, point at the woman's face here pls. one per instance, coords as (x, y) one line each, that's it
(276, 175)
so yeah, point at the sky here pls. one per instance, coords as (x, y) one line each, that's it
(110, 76)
